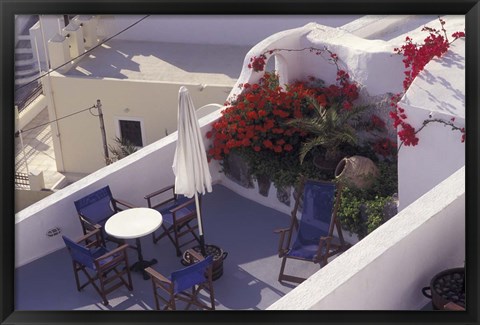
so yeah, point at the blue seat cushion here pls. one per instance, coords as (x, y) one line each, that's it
(167, 215)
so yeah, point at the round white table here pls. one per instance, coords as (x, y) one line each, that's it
(135, 223)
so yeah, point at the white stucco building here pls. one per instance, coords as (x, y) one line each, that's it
(386, 269)
(137, 72)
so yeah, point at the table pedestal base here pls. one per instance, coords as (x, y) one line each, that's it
(141, 265)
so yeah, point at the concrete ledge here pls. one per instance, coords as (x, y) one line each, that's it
(28, 114)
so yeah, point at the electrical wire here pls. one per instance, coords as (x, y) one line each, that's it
(86, 52)
(60, 118)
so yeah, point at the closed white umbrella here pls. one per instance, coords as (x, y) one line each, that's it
(190, 165)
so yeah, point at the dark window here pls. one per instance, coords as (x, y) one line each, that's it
(131, 131)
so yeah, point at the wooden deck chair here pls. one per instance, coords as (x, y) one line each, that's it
(314, 229)
(95, 209)
(185, 284)
(106, 270)
(179, 217)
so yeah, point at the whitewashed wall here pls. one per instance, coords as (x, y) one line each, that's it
(438, 92)
(154, 103)
(41, 32)
(365, 60)
(130, 179)
(438, 154)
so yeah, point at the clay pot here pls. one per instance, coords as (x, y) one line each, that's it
(357, 171)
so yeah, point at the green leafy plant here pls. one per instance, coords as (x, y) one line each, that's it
(362, 211)
(122, 149)
(329, 128)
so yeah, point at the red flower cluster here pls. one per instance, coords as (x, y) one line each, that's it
(255, 120)
(385, 147)
(416, 56)
(257, 63)
(377, 123)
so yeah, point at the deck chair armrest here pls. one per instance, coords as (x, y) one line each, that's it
(160, 191)
(157, 276)
(194, 256)
(149, 197)
(326, 239)
(183, 205)
(112, 259)
(113, 252)
(281, 249)
(88, 237)
(88, 224)
(122, 203)
(281, 230)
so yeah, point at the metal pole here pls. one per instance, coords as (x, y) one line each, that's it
(102, 130)
(47, 59)
(200, 225)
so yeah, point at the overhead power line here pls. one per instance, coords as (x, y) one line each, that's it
(86, 52)
(58, 119)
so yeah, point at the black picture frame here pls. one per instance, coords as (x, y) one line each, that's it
(8, 8)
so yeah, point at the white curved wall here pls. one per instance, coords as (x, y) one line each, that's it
(365, 60)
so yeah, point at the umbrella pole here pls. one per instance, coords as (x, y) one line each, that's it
(200, 226)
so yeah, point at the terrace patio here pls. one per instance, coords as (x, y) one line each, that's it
(241, 221)
(241, 227)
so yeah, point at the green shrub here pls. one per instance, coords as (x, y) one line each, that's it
(362, 211)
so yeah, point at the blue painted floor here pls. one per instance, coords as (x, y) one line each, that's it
(242, 228)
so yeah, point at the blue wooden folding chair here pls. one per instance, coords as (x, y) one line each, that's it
(179, 217)
(106, 270)
(314, 228)
(197, 277)
(95, 209)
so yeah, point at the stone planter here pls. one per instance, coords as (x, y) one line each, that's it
(447, 287)
(218, 256)
(264, 183)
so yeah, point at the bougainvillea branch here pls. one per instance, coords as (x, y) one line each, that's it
(257, 63)
(416, 56)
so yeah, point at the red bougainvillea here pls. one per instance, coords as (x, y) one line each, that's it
(416, 56)
(256, 118)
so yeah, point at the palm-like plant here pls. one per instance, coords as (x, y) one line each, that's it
(124, 148)
(329, 127)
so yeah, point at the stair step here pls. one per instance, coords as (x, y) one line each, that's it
(22, 44)
(23, 62)
(23, 37)
(23, 50)
(25, 67)
(23, 56)
(32, 21)
(22, 81)
(26, 73)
